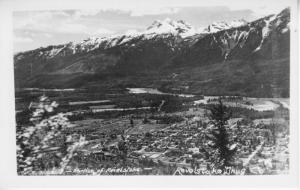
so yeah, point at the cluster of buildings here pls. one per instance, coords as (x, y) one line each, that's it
(186, 145)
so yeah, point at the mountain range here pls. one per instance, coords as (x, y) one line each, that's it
(235, 58)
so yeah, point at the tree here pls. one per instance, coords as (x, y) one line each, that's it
(148, 135)
(222, 149)
(171, 104)
(43, 146)
(123, 149)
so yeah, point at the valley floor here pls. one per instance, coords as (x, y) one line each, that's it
(155, 142)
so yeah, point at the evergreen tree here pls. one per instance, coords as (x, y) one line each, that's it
(222, 149)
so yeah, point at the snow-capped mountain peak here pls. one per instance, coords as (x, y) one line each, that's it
(222, 25)
(158, 27)
(170, 26)
(237, 23)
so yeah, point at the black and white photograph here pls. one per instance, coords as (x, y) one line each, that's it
(192, 88)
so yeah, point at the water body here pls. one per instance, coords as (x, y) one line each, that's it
(259, 104)
(49, 90)
(89, 102)
(155, 91)
(119, 109)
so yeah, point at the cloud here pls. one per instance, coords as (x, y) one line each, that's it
(151, 11)
(72, 28)
(57, 22)
(154, 7)
(131, 32)
(35, 19)
(49, 22)
(103, 31)
(47, 35)
(20, 39)
(81, 13)
(133, 11)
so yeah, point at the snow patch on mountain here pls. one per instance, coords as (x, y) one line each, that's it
(54, 52)
(266, 30)
(230, 40)
(222, 25)
(286, 29)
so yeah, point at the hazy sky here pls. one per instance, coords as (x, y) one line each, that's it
(33, 29)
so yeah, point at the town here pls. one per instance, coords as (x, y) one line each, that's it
(155, 141)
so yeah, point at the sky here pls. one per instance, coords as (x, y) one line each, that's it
(34, 29)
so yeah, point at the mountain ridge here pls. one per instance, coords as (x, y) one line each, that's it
(158, 55)
(179, 27)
